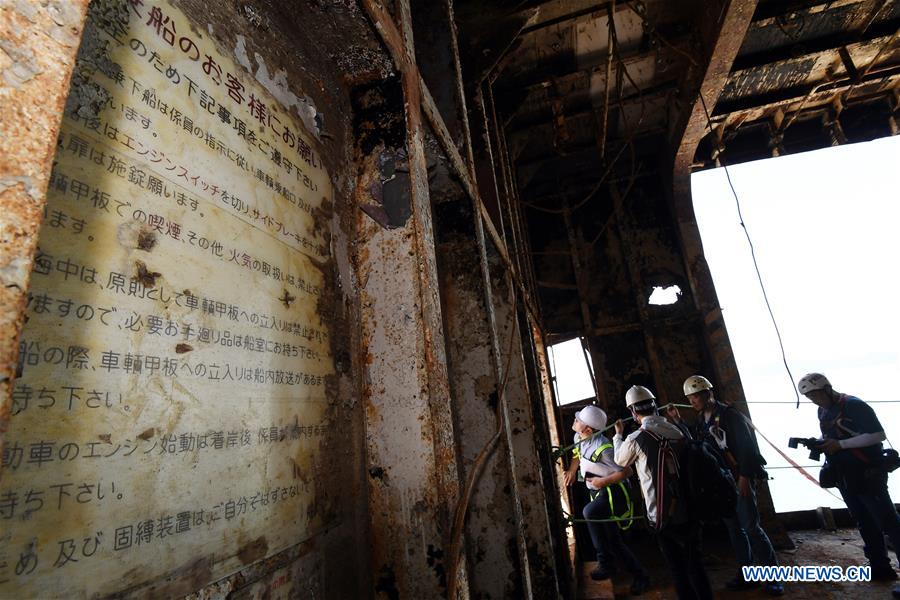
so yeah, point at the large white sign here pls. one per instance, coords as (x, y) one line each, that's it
(171, 398)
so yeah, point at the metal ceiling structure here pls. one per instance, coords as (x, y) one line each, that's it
(506, 175)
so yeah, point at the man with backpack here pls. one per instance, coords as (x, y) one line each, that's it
(727, 431)
(654, 450)
(852, 436)
(610, 495)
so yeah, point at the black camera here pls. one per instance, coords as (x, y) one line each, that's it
(812, 443)
(890, 460)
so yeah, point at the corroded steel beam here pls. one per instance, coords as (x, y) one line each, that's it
(409, 431)
(724, 37)
(534, 543)
(405, 63)
(728, 34)
(468, 181)
(723, 33)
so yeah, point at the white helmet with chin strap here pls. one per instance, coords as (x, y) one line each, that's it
(638, 394)
(696, 383)
(812, 382)
(592, 416)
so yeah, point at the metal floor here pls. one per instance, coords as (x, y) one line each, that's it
(842, 547)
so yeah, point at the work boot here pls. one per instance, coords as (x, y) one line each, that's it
(775, 588)
(885, 573)
(640, 584)
(602, 572)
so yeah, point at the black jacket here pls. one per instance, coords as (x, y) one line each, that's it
(742, 451)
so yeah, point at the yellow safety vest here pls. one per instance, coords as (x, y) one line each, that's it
(629, 505)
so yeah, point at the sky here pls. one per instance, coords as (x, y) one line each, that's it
(825, 228)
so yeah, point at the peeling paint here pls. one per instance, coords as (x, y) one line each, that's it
(24, 180)
(22, 66)
(277, 85)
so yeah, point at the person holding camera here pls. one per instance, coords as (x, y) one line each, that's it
(852, 437)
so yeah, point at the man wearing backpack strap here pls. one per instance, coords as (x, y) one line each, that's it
(654, 449)
(726, 430)
(852, 436)
(607, 484)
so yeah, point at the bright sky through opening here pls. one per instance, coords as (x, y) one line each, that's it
(573, 380)
(824, 225)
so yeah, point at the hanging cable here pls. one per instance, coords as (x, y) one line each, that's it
(759, 277)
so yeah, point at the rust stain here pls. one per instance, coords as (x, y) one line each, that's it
(146, 277)
(253, 551)
(34, 89)
(105, 437)
(146, 240)
(147, 434)
(182, 348)
(286, 299)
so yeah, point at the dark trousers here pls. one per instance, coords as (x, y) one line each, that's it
(874, 512)
(680, 545)
(607, 538)
(750, 542)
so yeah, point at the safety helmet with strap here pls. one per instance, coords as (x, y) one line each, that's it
(812, 382)
(696, 383)
(592, 416)
(638, 394)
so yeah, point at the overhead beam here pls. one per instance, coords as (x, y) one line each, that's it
(519, 121)
(728, 36)
(817, 73)
(811, 102)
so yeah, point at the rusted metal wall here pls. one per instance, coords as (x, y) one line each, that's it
(535, 522)
(389, 473)
(38, 45)
(491, 538)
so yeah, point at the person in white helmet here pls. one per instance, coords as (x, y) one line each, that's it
(610, 495)
(728, 431)
(852, 437)
(646, 449)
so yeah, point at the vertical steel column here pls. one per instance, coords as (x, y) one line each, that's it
(409, 430)
(496, 355)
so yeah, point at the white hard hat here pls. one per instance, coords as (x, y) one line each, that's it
(593, 417)
(696, 383)
(812, 382)
(637, 394)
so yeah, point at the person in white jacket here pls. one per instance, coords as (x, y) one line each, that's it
(647, 449)
(610, 494)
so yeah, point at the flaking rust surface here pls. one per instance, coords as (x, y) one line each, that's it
(37, 54)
